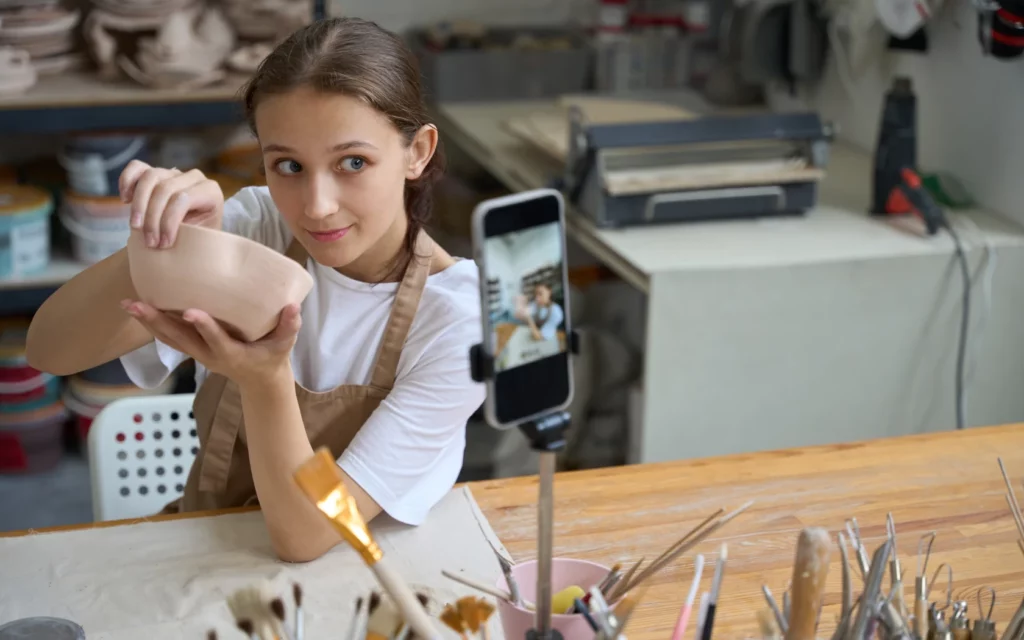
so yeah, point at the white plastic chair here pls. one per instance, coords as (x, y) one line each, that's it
(140, 452)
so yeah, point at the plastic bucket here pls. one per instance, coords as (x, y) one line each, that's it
(94, 163)
(32, 441)
(24, 230)
(93, 238)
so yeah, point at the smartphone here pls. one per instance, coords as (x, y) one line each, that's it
(519, 244)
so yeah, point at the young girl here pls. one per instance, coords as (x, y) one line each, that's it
(375, 363)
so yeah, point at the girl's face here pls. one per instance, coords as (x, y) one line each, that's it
(337, 169)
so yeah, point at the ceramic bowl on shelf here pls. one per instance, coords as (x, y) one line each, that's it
(241, 283)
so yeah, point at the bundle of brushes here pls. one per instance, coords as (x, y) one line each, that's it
(321, 481)
(378, 618)
(616, 585)
(874, 613)
(261, 615)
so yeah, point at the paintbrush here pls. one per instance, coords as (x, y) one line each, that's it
(691, 541)
(484, 588)
(510, 580)
(809, 572)
(252, 610)
(321, 481)
(300, 622)
(357, 629)
(685, 612)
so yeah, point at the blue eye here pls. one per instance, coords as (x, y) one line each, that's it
(354, 163)
(288, 167)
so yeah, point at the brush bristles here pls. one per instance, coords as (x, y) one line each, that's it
(277, 607)
(256, 613)
(297, 594)
(320, 476)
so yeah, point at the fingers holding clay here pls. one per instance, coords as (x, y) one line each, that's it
(164, 199)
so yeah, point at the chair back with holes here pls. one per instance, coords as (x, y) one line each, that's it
(140, 452)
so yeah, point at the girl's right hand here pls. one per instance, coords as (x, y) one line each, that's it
(164, 199)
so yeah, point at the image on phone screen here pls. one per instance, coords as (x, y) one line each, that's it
(528, 314)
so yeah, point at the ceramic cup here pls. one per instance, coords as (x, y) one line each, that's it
(565, 572)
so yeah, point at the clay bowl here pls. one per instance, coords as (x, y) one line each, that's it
(239, 282)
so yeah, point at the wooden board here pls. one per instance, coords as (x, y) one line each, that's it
(550, 132)
(947, 482)
(700, 176)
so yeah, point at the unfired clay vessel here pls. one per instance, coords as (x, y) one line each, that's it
(239, 282)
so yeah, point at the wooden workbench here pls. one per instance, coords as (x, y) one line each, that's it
(947, 482)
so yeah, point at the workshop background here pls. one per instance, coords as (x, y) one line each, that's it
(780, 308)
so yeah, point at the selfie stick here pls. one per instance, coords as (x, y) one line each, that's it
(547, 437)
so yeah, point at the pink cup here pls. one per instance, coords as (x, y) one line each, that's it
(565, 572)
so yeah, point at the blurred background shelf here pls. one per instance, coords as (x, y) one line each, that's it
(61, 269)
(81, 101)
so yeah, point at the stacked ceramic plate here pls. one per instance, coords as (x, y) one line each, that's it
(267, 20)
(145, 9)
(88, 392)
(45, 31)
(32, 416)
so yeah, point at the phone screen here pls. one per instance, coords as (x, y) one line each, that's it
(528, 316)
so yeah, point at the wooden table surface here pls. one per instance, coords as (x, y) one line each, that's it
(948, 483)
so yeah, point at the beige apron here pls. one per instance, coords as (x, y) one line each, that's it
(221, 476)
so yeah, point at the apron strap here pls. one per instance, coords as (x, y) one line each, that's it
(407, 301)
(220, 442)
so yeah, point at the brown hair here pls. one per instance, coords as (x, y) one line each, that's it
(360, 59)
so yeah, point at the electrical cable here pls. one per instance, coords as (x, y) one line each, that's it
(965, 315)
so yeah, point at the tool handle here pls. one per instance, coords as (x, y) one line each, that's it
(920, 616)
(412, 611)
(809, 572)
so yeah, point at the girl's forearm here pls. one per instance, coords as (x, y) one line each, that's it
(278, 445)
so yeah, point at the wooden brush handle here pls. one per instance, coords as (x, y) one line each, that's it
(412, 611)
(809, 572)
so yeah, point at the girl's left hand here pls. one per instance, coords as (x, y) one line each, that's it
(197, 334)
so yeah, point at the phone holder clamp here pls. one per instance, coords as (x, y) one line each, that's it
(546, 435)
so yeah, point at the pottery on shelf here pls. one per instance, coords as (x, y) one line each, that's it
(44, 32)
(267, 20)
(248, 58)
(17, 74)
(241, 283)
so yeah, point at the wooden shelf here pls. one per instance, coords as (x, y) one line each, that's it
(82, 101)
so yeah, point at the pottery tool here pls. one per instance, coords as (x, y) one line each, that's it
(949, 585)
(688, 542)
(608, 584)
(809, 571)
(624, 611)
(846, 607)
(958, 623)
(869, 597)
(895, 568)
(921, 585)
(1011, 501)
(485, 588)
(684, 613)
(716, 587)
(321, 480)
(603, 614)
(510, 580)
(251, 609)
(300, 622)
(860, 552)
(984, 628)
(773, 606)
(1016, 624)
(357, 630)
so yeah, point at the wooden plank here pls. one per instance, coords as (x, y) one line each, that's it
(86, 89)
(947, 482)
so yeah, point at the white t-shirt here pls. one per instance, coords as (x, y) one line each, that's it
(408, 454)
